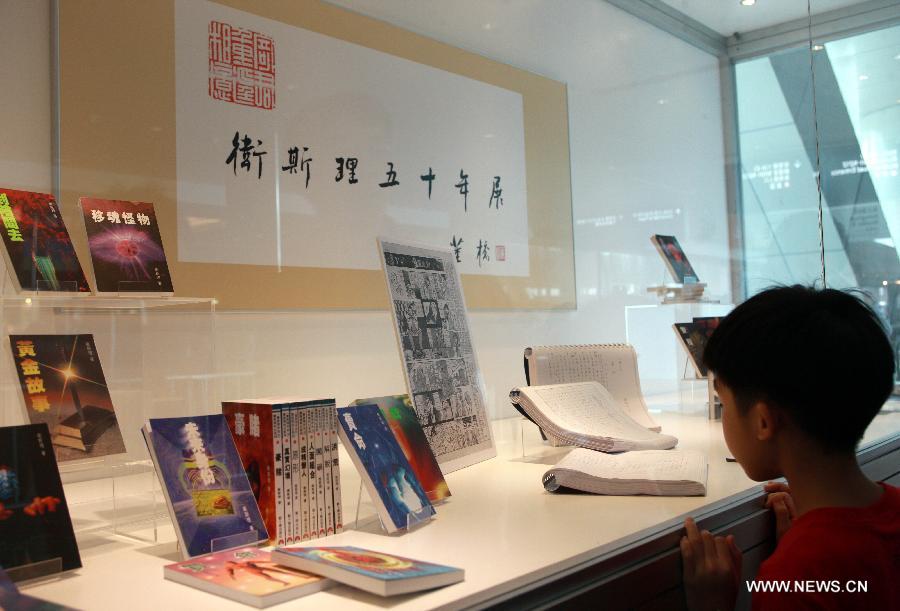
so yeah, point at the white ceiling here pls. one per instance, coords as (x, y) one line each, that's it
(728, 16)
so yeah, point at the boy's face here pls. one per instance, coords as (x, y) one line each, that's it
(747, 437)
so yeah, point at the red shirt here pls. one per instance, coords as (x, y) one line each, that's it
(829, 551)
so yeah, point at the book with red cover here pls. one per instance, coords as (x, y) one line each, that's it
(126, 247)
(38, 250)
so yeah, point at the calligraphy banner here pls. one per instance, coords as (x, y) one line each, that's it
(278, 139)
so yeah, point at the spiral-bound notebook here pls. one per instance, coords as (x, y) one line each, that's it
(612, 365)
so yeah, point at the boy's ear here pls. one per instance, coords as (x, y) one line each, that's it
(765, 421)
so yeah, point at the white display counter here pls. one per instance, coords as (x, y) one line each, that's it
(500, 526)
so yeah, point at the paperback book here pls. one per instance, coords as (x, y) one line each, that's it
(207, 492)
(63, 386)
(38, 250)
(388, 477)
(35, 527)
(612, 365)
(401, 417)
(584, 414)
(693, 337)
(247, 575)
(652, 472)
(375, 572)
(126, 247)
(676, 261)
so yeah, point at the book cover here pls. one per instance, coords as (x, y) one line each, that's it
(694, 335)
(390, 480)
(35, 526)
(246, 574)
(400, 415)
(677, 262)
(38, 248)
(251, 428)
(376, 572)
(63, 386)
(126, 247)
(208, 493)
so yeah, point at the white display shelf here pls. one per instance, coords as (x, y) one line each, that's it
(70, 301)
(499, 525)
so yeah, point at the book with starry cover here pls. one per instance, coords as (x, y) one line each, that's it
(38, 251)
(36, 534)
(126, 247)
(63, 385)
(247, 575)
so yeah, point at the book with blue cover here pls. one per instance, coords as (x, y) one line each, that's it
(207, 491)
(375, 572)
(389, 478)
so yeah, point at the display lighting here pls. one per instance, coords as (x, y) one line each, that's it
(748, 2)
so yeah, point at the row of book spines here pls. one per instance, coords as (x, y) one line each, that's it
(300, 505)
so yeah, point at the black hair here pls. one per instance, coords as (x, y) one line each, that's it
(820, 356)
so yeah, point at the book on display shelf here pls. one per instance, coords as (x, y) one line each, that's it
(247, 575)
(207, 491)
(400, 415)
(37, 248)
(126, 248)
(650, 472)
(35, 527)
(386, 474)
(675, 259)
(584, 414)
(612, 365)
(693, 337)
(63, 385)
(439, 362)
(376, 572)
(288, 447)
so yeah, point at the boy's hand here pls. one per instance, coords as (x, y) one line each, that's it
(781, 502)
(712, 569)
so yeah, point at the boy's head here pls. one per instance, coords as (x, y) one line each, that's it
(816, 362)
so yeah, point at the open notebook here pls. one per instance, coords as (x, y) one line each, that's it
(654, 472)
(585, 414)
(613, 365)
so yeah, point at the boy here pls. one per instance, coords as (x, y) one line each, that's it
(801, 374)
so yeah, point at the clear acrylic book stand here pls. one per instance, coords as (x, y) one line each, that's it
(414, 520)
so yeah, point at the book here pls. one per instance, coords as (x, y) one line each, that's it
(209, 497)
(439, 363)
(387, 475)
(676, 261)
(126, 247)
(401, 417)
(37, 247)
(247, 575)
(615, 366)
(276, 440)
(651, 472)
(584, 414)
(63, 385)
(35, 527)
(693, 337)
(335, 470)
(375, 572)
